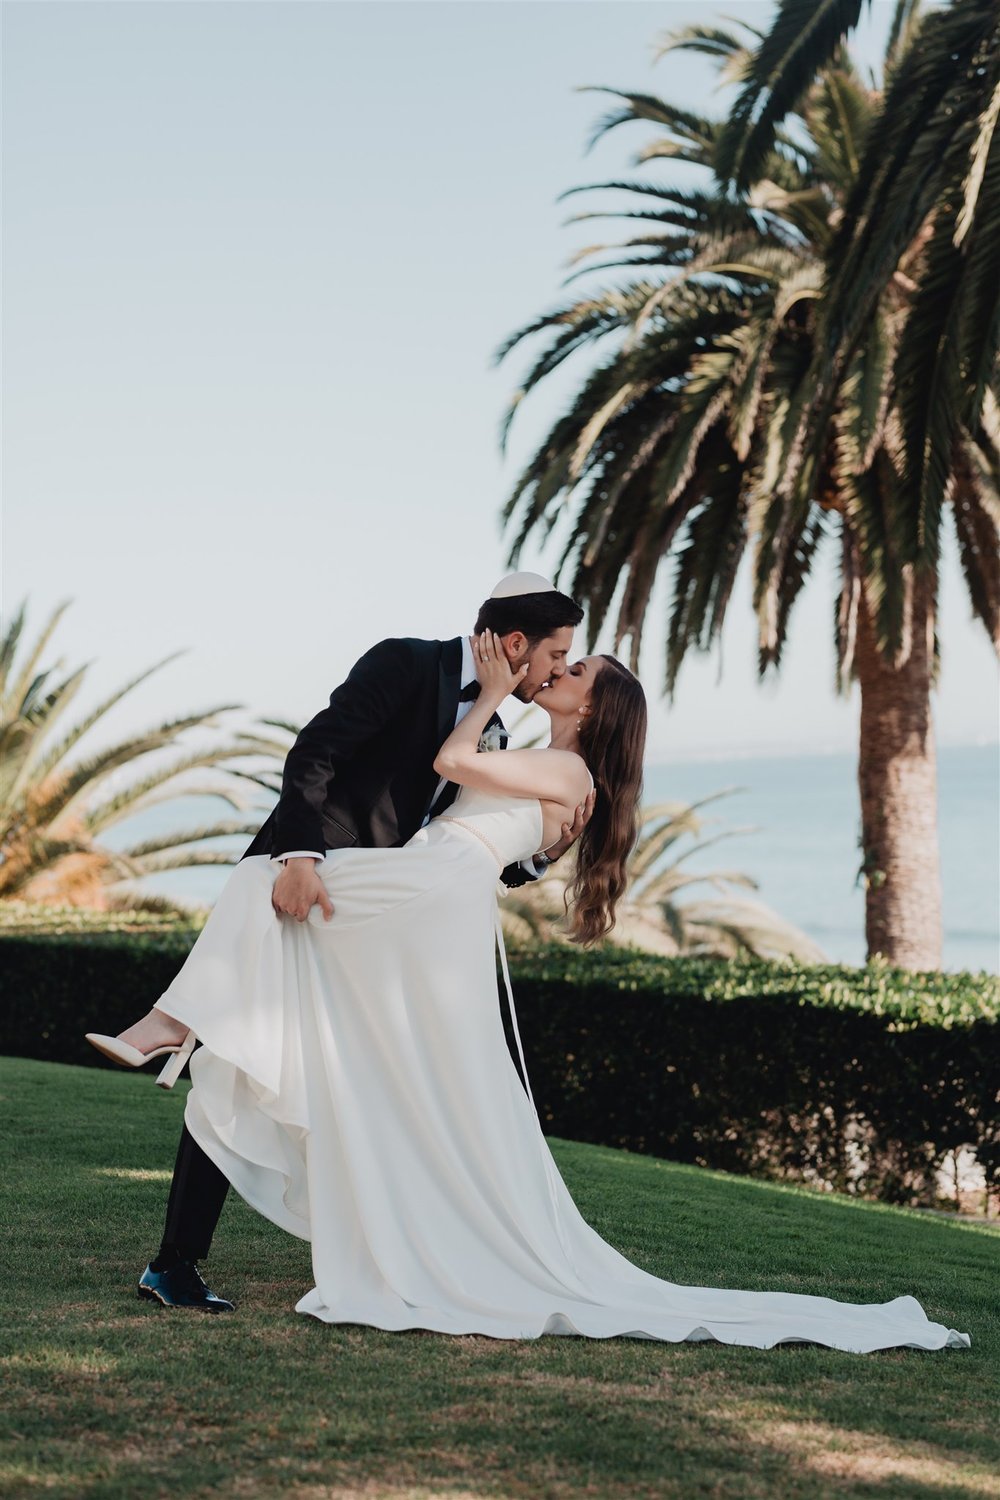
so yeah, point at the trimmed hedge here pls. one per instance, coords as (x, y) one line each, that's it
(864, 1080)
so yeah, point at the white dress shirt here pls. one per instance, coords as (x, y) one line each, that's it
(468, 676)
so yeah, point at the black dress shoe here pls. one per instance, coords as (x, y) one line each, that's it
(181, 1286)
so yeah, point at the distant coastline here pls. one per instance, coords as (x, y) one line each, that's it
(687, 756)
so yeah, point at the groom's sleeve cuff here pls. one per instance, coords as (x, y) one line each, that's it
(296, 854)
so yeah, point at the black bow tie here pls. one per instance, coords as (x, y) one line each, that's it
(470, 692)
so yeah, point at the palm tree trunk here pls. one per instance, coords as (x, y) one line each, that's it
(897, 777)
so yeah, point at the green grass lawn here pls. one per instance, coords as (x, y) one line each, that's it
(106, 1396)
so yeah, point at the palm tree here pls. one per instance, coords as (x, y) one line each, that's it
(930, 172)
(678, 446)
(53, 810)
(650, 916)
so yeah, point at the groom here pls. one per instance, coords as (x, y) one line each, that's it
(362, 772)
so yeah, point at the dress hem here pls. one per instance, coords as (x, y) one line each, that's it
(560, 1324)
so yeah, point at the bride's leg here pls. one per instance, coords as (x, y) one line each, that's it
(156, 1029)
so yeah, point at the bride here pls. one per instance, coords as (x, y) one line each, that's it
(355, 1086)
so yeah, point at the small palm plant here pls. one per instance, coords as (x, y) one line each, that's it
(53, 810)
(650, 915)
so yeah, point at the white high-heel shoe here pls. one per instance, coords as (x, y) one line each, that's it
(131, 1057)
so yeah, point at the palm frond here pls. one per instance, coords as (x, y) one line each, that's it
(583, 322)
(58, 801)
(706, 568)
(55, 754)
(694, 129)
(846, 608)
(804, 37)
(183, 859)
(14, 693)
(712, 41)
(164, 784)
(948, 346)
(839, 113)
(976, 510)
(174, 840)
(917, 154)
(905, 17)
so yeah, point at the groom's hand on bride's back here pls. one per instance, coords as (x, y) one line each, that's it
(298, 889)
(572, 831)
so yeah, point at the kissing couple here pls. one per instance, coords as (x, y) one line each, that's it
(353, 1080)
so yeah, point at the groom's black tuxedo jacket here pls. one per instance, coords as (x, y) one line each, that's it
(362, 771)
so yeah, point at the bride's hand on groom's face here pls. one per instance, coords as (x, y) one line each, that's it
(496, 679)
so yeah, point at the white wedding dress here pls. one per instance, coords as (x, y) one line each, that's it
(355, 1086)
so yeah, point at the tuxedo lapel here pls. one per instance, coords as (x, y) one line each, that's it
(448, 794)
(449, 686)
(504, 736)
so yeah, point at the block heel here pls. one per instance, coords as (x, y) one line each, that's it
(174, 1066)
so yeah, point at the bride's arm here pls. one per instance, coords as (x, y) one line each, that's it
(554, 775)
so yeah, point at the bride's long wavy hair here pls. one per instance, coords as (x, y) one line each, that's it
(612, 741)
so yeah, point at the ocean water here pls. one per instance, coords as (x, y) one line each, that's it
(803, 851)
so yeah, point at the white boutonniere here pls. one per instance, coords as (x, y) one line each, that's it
(491, 738)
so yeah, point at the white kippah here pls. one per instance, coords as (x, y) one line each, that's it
(522, 583)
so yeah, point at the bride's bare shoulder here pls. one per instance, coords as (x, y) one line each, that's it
(578, 779)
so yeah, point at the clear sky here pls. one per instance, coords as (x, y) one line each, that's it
(256, 261)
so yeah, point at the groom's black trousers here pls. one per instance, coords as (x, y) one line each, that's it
(197, 1193)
